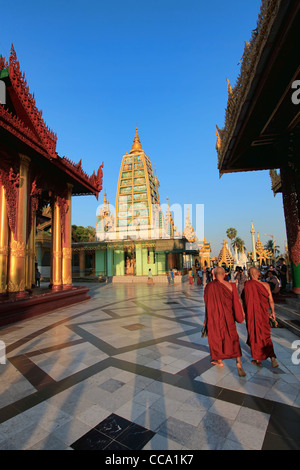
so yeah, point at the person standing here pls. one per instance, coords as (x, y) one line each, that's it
(241, 279)
(258, 299)
(37, 277)
(150, 277)
(283, 273)
(222, 309)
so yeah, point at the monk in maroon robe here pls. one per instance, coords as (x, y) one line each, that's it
(258, 299)
(222, 309)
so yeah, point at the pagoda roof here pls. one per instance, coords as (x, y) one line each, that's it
(225, 255)
(23, 129)
(260, 115)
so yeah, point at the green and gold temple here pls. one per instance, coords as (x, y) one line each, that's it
(136, 234)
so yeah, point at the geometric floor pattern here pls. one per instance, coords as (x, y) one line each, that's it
(128, 370)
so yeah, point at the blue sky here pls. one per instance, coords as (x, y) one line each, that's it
(100, 68)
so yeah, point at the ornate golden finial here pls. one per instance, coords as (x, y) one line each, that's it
(229, 89)
(136, 147)
(252, 228)
(218, 139)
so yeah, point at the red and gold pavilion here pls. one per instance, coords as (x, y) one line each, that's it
(262, 121)
(32, 176)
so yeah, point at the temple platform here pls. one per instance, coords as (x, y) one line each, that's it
(287, 310)
(128, 370)
(38, 301)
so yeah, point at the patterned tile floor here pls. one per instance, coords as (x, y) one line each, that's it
(128, 370)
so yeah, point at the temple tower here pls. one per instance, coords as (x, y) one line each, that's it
(138, 211)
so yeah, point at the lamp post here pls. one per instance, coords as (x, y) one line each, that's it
(252, 231)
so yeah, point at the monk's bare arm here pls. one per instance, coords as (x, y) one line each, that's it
(271, 302)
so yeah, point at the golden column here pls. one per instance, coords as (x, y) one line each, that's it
(56, 264)
(4, 234)
(17, 256)
(81, 262)
(67, 242)
(30, 255)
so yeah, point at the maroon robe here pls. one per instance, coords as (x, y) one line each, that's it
(256, 299)
(223, 309)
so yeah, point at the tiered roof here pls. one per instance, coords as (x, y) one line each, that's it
(20, 118)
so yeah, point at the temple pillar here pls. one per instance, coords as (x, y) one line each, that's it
(30, 256)
(56, 262)
(67, 242)
(81, 262)
(17, 256)
(4, 236)
(290, 180)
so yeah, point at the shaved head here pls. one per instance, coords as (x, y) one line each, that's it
(219, 272)
(254, 273)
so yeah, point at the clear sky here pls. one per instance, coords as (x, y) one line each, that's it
(100, 68)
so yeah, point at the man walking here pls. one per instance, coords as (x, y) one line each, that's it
(222, 309)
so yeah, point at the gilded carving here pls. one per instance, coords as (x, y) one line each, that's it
(17, 249)
(16, 287)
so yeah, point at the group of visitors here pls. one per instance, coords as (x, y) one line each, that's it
(227, 303)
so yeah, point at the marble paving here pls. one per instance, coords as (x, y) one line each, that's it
(128, 369)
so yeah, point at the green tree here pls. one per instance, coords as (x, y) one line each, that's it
(270, 246)
(83, 234)
(231, 233)
(239, 243)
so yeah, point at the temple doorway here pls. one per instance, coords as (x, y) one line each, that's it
(129, 257)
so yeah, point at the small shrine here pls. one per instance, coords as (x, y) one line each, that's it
(262, 255)
(225, 257)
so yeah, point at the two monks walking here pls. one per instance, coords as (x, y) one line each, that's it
(223, 308)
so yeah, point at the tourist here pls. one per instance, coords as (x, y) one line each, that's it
(200, 277)
(282, 273)
(222, 309)
(240, 278)
(171, 276)
(273, 282)
(191, 277)
(258, 299)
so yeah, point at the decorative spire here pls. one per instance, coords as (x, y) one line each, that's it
(136, 147)
(189, 232)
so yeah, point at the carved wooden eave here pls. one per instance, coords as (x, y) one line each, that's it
(23, 129)
(275, 181)
(259, 114)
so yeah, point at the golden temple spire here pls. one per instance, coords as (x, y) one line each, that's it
(136, 147)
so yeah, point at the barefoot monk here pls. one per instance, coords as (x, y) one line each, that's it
(222, 309)
(258, 299)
